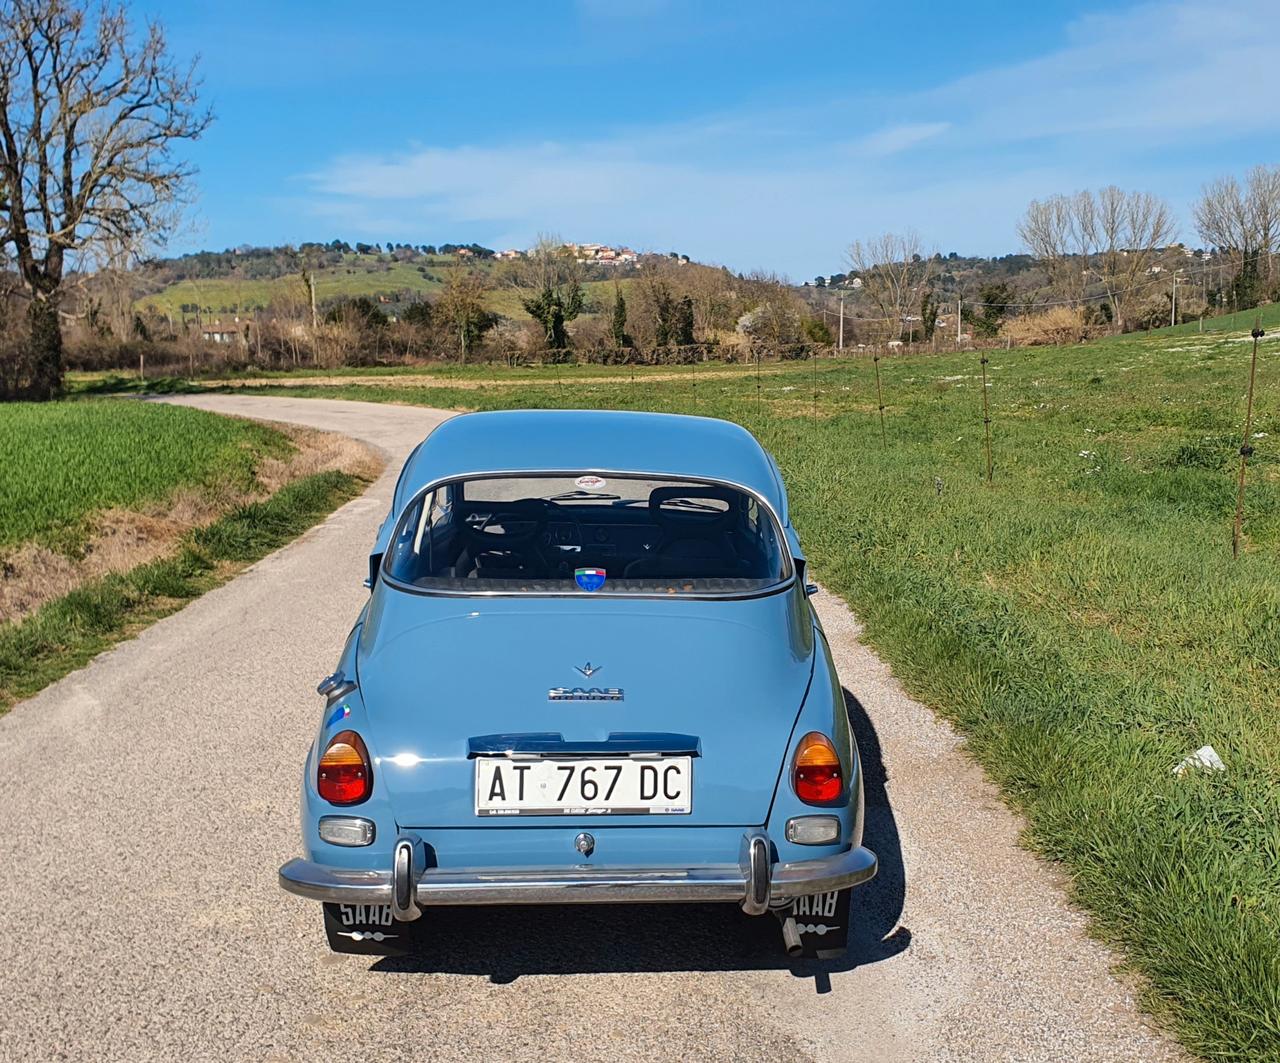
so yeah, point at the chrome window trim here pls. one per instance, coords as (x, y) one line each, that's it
(786, 582)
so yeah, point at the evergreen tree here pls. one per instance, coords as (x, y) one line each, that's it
(618, 323)
(551, 308)
(684, 323)
(664, 307)
(928, 314)
(985, 318)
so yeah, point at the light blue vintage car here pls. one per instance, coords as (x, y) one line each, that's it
(588, 671)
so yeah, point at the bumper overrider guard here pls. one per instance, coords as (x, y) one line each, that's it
(756, 882)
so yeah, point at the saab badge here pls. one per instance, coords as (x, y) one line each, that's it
(589, 579)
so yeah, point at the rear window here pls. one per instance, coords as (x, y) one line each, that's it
(587, 534)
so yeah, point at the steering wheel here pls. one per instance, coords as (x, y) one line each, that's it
(506, 525)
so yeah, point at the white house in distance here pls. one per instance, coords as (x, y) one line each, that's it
(216, 331)
(602, 254)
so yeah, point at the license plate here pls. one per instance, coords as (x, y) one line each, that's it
(610, 786)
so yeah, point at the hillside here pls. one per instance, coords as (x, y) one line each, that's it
(376, 276)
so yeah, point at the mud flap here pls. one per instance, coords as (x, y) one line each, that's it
(366, 930)
(823, 923)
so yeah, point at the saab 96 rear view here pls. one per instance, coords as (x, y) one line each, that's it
(588, 671)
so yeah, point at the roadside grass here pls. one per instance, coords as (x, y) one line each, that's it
(1080, 619)
(62, 462)
(69, 632)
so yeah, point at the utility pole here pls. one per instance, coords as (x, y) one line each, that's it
(959, 317)
(1173, 308)
(841, 319)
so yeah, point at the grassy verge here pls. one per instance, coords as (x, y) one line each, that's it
(62, 462)
(67, 633)
(1080, 618)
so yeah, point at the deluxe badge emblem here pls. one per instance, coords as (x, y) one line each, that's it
(584, 694)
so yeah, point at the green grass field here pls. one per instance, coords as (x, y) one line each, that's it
(1080, 619)
(1241, 321)
(61, 462)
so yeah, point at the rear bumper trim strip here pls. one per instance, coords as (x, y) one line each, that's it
(587, 885)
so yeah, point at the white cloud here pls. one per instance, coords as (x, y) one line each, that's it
(894, 139)
(775, 188)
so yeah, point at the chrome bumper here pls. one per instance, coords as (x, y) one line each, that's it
(754, 883)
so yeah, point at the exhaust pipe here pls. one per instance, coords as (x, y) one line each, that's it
(791, 937)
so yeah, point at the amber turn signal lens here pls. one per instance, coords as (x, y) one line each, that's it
(816, 774)
(344, 776)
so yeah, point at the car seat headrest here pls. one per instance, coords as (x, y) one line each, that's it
(709, 507)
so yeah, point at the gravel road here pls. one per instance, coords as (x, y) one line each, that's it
(149, 798)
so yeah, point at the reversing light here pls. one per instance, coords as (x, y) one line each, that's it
(346, 830)
(813, 830)
(344, 776)
(816, 775)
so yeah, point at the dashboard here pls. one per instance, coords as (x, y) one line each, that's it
(598, 541)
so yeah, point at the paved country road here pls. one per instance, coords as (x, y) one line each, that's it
(147, 800)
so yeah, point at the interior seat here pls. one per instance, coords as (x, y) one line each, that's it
(692, 543)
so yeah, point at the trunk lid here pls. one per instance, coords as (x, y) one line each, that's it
(437, 672)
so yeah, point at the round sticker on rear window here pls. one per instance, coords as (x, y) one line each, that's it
(590, 483)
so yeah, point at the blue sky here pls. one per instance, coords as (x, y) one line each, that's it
(759, 135)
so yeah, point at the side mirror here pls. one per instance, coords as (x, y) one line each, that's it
(810, 589)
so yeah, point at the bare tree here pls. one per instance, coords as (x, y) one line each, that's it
(1060, 232)
(89, 116)
(1243, 223)
(1112, 234)
(1224, 219)
(893, 270)
(1130, 231)
(461, 305)
(1264, 207)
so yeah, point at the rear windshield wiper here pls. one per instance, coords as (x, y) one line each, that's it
(570, 495)
(689, 503)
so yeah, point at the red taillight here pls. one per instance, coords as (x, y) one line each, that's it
(344, 776)
(816, 773)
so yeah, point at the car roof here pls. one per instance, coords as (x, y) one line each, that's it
(615, 441)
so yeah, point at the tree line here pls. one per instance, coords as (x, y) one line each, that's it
(1105, 260)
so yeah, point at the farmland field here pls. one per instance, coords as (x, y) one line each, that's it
(1080, 618)
(361, 275)
(60, 462)
(1267, 316)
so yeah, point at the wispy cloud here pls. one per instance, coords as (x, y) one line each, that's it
(775, 187)
(894, 139)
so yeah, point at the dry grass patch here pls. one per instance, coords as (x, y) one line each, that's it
(32, 574)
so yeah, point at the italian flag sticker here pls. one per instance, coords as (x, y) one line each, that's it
(589, 579)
